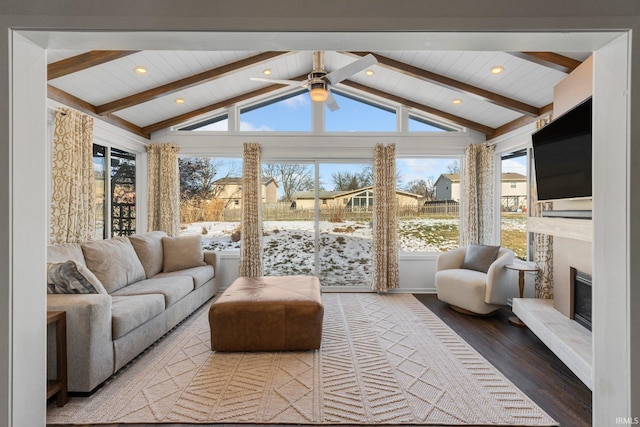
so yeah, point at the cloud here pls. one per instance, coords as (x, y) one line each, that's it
(296, 102)
(516, 165)
(250, 127)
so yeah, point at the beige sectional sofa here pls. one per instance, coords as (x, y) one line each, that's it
(144, 285)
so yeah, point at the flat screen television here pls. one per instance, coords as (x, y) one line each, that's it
(562, 155)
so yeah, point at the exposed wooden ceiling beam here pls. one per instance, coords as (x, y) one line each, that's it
(221, 104)
(84, 61)
(187, 82)
(550, 59)
(83, 106)
(488, 131)
(458, 86)
(522, 121)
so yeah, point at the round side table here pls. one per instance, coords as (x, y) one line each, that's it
(521, 268)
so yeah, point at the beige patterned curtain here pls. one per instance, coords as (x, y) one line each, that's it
(477, 198)
(73, 194)
(385, 220)
(164, 189)
(251, 221)
(542, 243)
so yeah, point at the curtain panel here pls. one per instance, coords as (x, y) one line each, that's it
(542, 243)
(164, 189)
(251, 218)
(385, 219)
(478, 195)
(73, 195)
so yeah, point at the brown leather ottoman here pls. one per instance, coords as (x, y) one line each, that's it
(270, 313)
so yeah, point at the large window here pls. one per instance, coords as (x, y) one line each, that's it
(514, 199)
(123, 193)
(100, 175)
(210, 200)
(428, 204)
(115, 192)
(288, 113)
(359, 116)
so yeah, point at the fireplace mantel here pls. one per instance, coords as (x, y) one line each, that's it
(578, 229)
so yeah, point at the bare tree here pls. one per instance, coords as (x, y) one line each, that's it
(453, 167)
(291, 176)
(425, 188)
(347, 180)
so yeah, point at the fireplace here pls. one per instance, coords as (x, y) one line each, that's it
(580, 297)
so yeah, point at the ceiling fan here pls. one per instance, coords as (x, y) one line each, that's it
(319, 81)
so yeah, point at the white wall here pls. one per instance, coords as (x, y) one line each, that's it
(617, 233)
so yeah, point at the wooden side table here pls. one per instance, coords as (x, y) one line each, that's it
(521, 268)
(59, 385)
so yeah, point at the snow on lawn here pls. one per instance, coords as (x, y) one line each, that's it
(345, 247)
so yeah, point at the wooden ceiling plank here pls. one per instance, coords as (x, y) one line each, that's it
(488, 131)
(522, 121)
(221, 104)
(550, 59)
(187, 82)
(87, 108)
(458, 86)
(84, 61)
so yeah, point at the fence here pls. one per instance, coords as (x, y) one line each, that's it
(283, 212)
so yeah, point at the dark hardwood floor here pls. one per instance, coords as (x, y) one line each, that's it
(514, 351)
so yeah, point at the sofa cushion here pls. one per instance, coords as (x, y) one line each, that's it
(200, 275)
(114, 262)
(480, 257)
(173, 288)
(62, 252)
(129, 312)
(148, 246)
(182, 252)
(70, 277)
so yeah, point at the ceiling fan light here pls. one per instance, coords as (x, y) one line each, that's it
(318, 94)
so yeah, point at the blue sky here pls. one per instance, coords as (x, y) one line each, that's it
(294, 115)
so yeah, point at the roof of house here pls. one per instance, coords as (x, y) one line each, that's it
(507, 176)
(238, 180)
(336, 194)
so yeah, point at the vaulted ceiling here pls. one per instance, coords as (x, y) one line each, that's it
(105, 85)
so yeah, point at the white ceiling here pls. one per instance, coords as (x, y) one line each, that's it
(522, 80)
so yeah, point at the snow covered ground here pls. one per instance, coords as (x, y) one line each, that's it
(344, 247)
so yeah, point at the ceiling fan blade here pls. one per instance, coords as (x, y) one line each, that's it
(280, 82)
(350, 69)
(331, 102)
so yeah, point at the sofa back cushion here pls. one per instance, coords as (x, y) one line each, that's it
(62, 252)
(182, 252)
(114, 262)
(148, 246)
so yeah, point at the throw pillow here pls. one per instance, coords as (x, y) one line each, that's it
(480, 257)
(70, 277)
(148, 246)
(182, 252)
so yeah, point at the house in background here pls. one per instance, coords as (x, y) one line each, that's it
(448, 187)
(229, 189)
(513, 190)
(360, 198)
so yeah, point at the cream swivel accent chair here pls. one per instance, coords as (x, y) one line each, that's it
(473, 279)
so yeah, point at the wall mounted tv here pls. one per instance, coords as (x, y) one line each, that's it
(562, 155)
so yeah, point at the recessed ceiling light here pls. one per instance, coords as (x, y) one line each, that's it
(457, 101)
(140, 70)
(266, 71)
(370, 72)
(497, 69)
(179, 100)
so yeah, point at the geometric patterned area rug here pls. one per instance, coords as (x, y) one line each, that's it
(384, 359)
